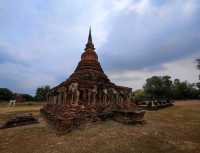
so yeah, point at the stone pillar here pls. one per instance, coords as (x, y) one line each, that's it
(89, 98)
(77, 96)
(68, 98)
(71, 98)
(50, 99)
(94, 98)
(64, 98)
(54, 99)
(100, 98)
(94, 93)
(59, 99)
(105, 98)
(85, 96)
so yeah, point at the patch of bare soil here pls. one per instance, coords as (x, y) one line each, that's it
(191, 103)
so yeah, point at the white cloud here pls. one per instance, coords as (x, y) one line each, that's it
(24, 78)
(189, 7)
(184, 69)
(140, 6)
(119, 5)
(183, 8)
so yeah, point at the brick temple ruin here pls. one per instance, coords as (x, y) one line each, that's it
(88, 95)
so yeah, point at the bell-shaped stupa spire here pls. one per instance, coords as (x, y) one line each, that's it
(89, 42)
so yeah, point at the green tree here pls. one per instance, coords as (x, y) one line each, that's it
(184, 90)
(198, 83)
(158, 87)
(138, 95)
(5, 94)
(41, 93)
(28, 97)
(162, 87)
(167, 85)
(198, 64)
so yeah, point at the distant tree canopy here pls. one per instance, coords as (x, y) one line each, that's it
(5, 94)
(158, 87)
(185, 90)
(28, 97)
(198, 66)
(138, 95)
(163, 87)
(41, 93)
(198, 63)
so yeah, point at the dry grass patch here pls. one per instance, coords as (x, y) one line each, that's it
(175, 129)
(6, 111)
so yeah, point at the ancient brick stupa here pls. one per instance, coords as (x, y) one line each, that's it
(88, 95)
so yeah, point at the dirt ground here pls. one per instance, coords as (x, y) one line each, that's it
(174, 129)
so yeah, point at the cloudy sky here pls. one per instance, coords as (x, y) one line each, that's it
(41, 40)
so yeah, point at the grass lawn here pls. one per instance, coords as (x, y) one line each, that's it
(174, 129)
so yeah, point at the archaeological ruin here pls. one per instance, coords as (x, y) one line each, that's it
(89, 96)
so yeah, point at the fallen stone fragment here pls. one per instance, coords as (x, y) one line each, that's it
(19, 120)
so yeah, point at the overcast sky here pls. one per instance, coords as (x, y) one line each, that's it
(41, 40)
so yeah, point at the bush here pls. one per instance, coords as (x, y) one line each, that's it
(41, 93)
(138, 95)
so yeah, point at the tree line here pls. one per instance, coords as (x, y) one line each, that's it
(156, 87)
(40, 95)
(163, 87)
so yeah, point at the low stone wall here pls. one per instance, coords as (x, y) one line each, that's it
(155, 106)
